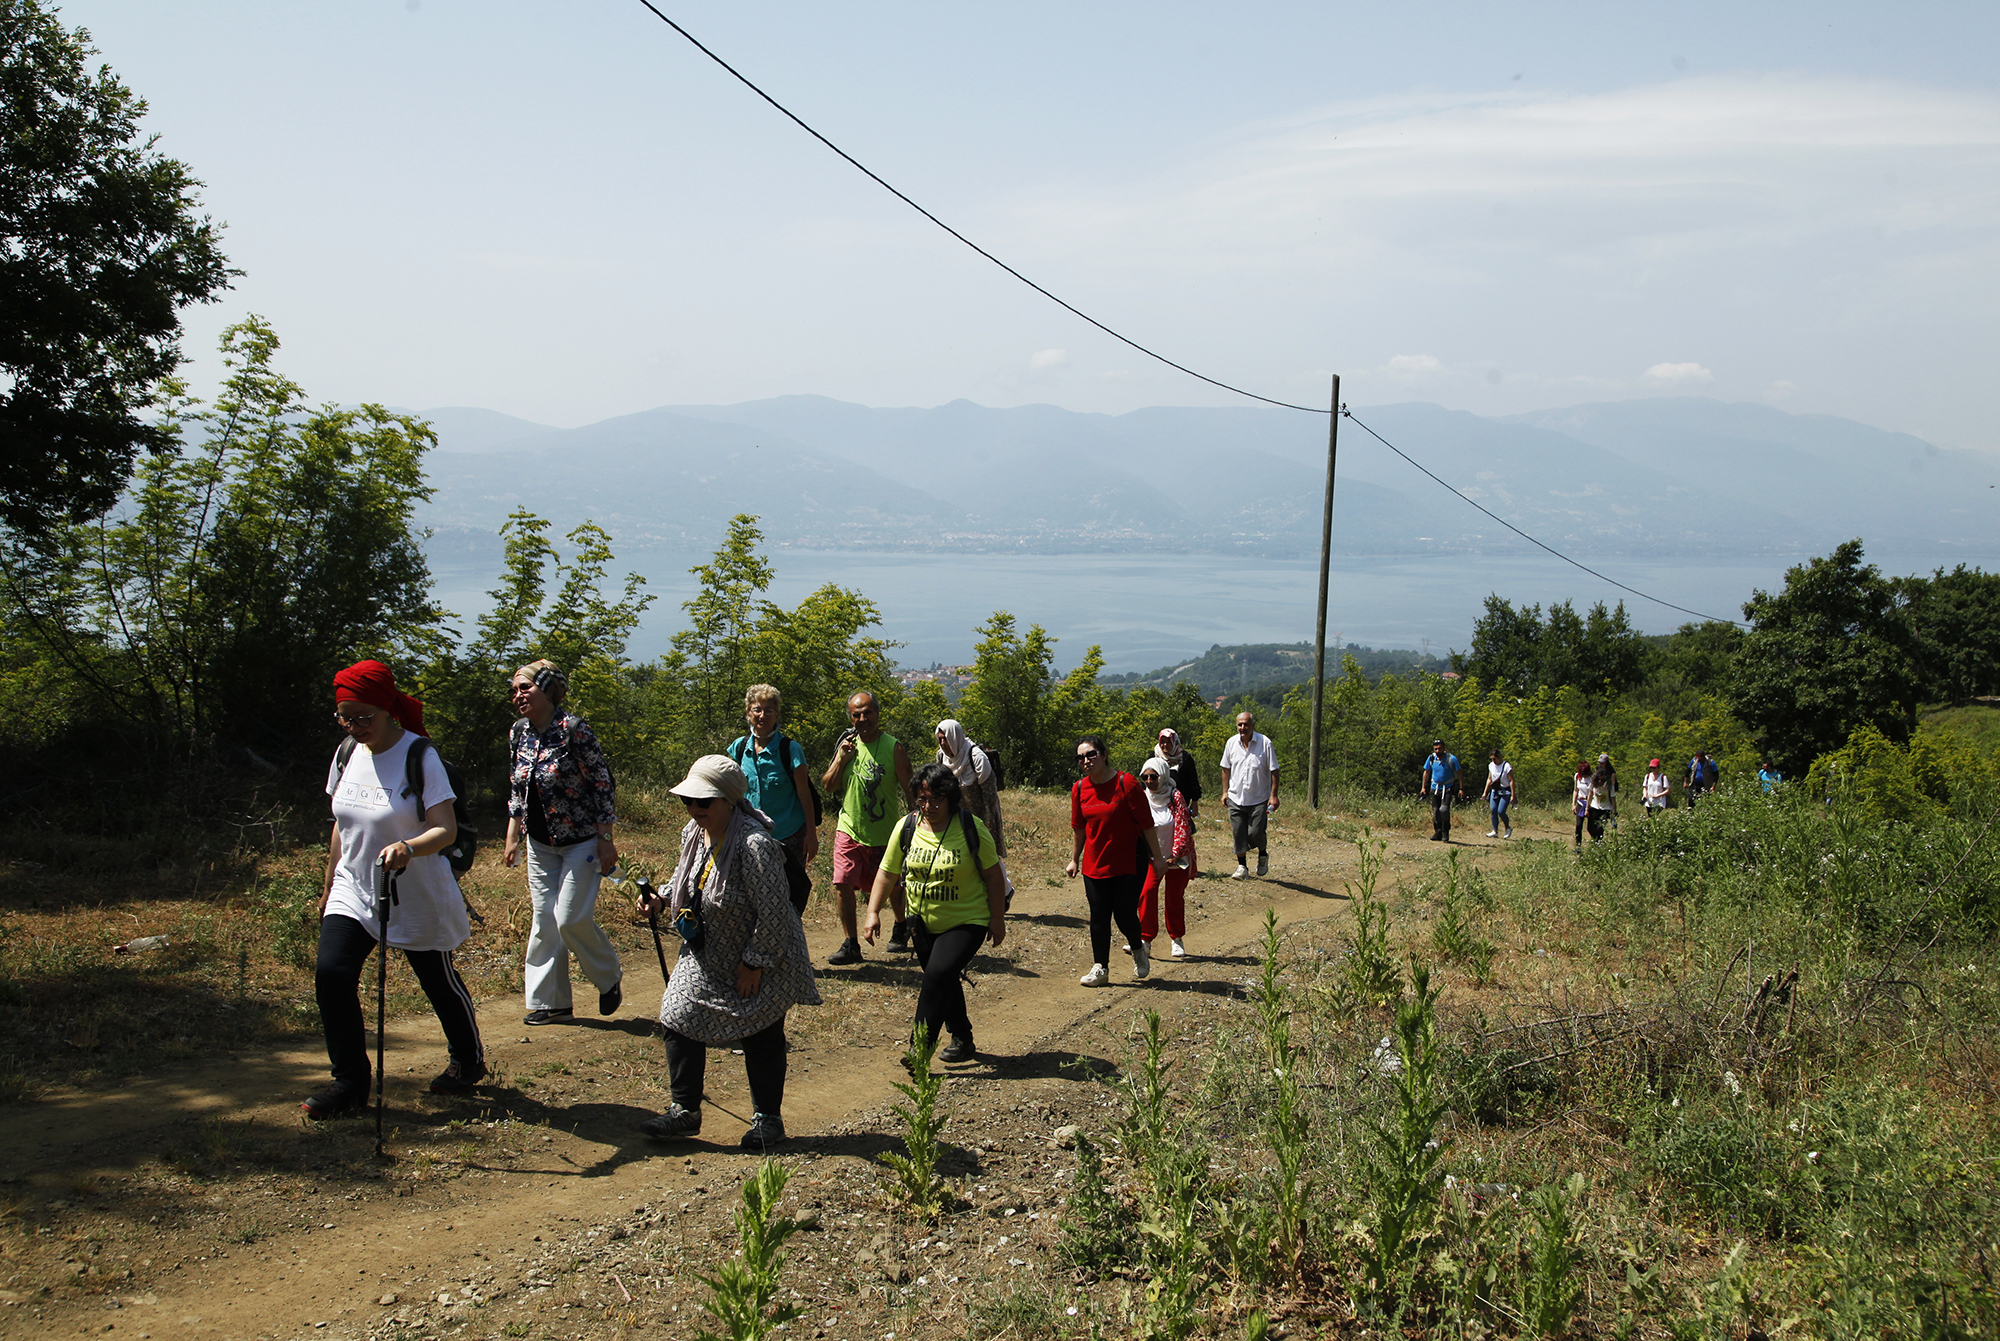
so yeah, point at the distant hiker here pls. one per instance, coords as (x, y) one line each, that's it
(1603, 803)
(1653, 789)
(865, 764)
(1187, 775)
(1767, 776)
(1250, 784)
(743, 962)
(1499, 793)
(1113, 833)
(1580, 799)
(943, 861)
(561, 793)
(1173, 821)
(774, 766)
(379, 834)
(978, 785)
(1440, 777)
(1701, 776)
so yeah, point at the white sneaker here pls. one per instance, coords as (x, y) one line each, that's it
(1492, 833)
(1179, 950)
(1242, 872)
(1126, 947)
(1097, 977)
(1142, 961)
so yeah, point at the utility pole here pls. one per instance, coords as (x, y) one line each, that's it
(1319, 627)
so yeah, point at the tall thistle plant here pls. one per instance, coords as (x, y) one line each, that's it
(1404, 1172)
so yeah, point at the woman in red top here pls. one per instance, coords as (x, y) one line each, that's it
(1112, 821)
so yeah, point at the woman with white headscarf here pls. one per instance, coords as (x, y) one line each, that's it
(978, 789)
(1187, 777)
(743, 961)
(1173, 818)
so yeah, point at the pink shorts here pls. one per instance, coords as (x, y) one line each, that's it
(855, 864)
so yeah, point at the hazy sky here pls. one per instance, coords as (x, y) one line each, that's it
(565, 212)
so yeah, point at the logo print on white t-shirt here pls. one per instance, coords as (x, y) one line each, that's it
(361, 796)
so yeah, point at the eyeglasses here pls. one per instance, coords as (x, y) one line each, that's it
(926, 799)
(357, 719)
(698, 802)
(1086, 756)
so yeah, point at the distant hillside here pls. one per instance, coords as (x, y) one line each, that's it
(1652, 479)
(1252, 666)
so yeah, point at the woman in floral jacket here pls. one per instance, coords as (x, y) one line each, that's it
(560, 792)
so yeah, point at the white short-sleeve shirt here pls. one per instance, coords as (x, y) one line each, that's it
(373, 807)
(1250, 769)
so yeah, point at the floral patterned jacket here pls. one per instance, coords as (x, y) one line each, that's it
(571, 774)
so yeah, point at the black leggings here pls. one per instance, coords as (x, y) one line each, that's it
(1114, 898)
(944, 955)
(344, 947)
(763, 1062)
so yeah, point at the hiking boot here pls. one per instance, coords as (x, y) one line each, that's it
(1241, 872)
(332, 1102)
(548, 1015)
(899, 936)
(1263, 863)
(1097, 977)
(960, 1049)
(675, 1124)
(766, 1130)
(609, 1002)
(457, 1079)
(1142, 961)
(1179, 951)
(848, 953)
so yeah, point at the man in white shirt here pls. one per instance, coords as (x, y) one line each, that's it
(1250, 781)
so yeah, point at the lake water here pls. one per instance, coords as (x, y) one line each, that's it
(1152, 611)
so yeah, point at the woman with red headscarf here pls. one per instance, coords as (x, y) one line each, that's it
(380, 821)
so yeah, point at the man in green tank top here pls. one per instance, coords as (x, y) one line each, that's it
(863, 766)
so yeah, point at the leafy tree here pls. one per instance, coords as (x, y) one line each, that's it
(1522, 649)
(1957, 621)
(1834, 651)
(722, 621)
(100, 245)
(214, 606)
(1006, 705)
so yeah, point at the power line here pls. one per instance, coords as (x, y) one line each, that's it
(1071, 308)
(1523, 534)
(1075, 311)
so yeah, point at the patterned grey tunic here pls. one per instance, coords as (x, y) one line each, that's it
(751, 922)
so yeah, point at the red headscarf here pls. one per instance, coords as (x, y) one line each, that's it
(373, 683)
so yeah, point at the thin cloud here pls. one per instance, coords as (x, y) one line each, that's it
(1679, 374)
(1048, 358)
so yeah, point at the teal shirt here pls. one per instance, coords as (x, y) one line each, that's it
(772, 789)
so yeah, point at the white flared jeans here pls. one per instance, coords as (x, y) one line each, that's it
(562, 885)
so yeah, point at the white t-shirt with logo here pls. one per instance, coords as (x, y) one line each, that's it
(1250, 769)
(373, 806)
(1500, 776)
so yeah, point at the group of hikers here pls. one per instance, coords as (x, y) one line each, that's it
(927, 841)
(1594, 797)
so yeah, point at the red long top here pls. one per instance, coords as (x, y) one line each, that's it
(1114, 817)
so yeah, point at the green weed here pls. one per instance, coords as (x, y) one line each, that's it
(1404, 1173)
(916, 1169)
(742, 1290)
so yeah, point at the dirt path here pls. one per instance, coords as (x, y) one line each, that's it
(199, 1204)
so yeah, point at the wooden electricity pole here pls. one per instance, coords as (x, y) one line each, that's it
(1319, 627)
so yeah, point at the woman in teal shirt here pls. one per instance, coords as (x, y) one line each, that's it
(944, 862)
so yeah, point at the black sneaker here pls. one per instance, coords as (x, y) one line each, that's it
(609, 1002)
(548, 1015)
(899, 937)
(960, 1049)
(848, 953)
(332, 1102)
(675, 1124)
(766, 1130)
(456, 1079)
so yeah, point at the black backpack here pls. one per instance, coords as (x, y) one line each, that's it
(464, 847)
(993, 760)
(741, 745)
(964, 823)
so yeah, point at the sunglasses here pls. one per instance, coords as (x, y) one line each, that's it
(357, 719)
(1087, 755)
(698, 802)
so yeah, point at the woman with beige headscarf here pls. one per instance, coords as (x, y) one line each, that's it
(562, 798)
(743, 963)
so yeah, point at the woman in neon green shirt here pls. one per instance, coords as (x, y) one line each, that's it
(943, 861)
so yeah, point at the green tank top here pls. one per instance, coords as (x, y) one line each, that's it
(871, 807)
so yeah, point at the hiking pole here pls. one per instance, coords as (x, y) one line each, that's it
(646, 892)
(385, 895)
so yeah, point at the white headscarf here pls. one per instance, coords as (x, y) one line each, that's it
(959, 756)
(1161, 799)
(1173, 757)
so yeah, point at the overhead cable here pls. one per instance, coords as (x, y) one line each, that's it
(1079, 313)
